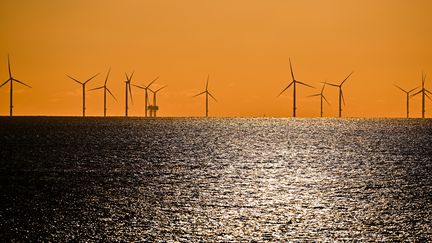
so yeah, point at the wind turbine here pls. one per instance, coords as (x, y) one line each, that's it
(104, 87)
(207, 94)
(146, 88)
(11, 80)
(128, 89)
(155, 108)
(294, 82)
(83, 89)
(341, 96)
(321, 95)
(407, 98)
(424, 93)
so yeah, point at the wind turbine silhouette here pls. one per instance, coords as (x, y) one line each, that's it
(128, 89)
(11, 80)
(83, 89)
(146, 88)
(424, 93)
(104, 87)
(321, 95)
(407, 98)
(341, 96)
(207, 94)
(155, 108)
(294, 82)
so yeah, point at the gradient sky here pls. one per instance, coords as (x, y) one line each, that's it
(244, 46)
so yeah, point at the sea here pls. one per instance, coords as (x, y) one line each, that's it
(99, 179)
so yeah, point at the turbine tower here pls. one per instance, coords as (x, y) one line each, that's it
(207, 94)
(154, 108)
(146, 99)
(341, 96)
(294, 82)
(424, 92)
(322, 97)
(11, 80)
(407, 98)
(83, 90)
(104, 87)
(128, 90)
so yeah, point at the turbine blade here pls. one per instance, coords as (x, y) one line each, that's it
(111, 94)
(314, 95)
(5, 83)
(130, 78)
(21, 82)
(198, 94)
(154, 80)
(346, 78)
(10, 73)
(322, 89)
(334, 85)
(304, 84)
(285, 88)
(88, 80)
(159, 89)
(427, 91)
(138, 86)
(208, 77)
(417, 93)
(101, 87)
(292, 73)
(413, 89)
(428, 97)
(74, 79)
(106, 79)
(127, 77)
(325, 99)
(212, 96)
(401, 89)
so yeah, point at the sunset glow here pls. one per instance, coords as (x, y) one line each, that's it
(244, 46)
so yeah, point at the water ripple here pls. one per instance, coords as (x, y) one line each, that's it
(184, 179)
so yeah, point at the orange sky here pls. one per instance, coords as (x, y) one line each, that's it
(243, 44)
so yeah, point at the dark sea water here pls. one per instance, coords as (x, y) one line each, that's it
(228, 179)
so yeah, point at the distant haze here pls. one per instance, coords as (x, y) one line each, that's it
(244, 46)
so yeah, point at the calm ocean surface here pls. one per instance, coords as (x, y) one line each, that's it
(227, 179)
